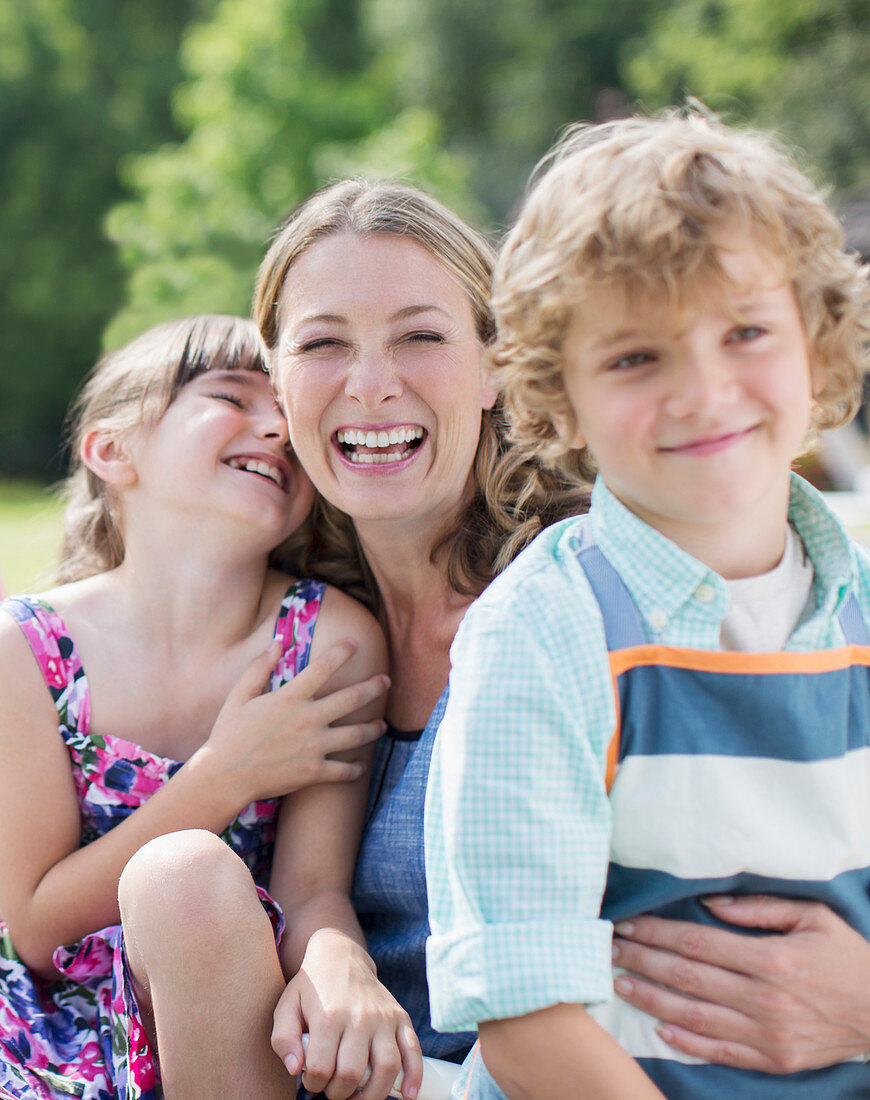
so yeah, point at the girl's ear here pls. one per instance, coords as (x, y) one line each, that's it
(105, 455)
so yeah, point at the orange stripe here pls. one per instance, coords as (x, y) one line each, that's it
(701, 660)
(475, 1049)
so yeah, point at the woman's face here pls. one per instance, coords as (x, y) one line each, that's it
(379, 368)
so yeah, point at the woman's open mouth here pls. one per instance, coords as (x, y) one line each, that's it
(369, 446)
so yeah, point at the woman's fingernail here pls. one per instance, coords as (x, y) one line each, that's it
(719, 899)
(623, 985)
(624, 928)
(291, 1064)
(615, 951)
(665, 1033)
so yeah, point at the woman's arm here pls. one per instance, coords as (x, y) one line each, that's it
(52, 891)
(558, 1052)
(795, 1000)
(352, 1020)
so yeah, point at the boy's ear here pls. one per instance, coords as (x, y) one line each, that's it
(568, 430)
(105, 455)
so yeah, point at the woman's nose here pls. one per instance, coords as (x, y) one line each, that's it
(372, 379)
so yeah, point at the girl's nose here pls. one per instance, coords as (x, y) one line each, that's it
(273, 425)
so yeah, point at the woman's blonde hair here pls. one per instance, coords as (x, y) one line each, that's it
(131, 389)
(645, 203)
(515, 495)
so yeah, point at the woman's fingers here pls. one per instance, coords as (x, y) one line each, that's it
(684, 975)
(714, 946)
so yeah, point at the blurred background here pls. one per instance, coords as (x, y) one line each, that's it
(148, 149)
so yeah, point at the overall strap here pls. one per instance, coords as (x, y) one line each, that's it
(853, 623)
(623, 626)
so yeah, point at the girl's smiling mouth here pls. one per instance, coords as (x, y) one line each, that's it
(267, 466)
(379, 446)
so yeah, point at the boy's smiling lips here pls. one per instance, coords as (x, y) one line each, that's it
(709, 444)
(263, 464)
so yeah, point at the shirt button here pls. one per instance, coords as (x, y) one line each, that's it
(658, 619)
(705, 592)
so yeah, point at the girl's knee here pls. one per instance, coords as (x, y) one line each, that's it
(181, 880)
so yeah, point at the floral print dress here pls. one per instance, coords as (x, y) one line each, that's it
(82, 1036)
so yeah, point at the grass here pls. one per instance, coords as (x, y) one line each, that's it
(30, 534)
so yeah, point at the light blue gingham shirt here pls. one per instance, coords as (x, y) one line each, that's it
(517, 817)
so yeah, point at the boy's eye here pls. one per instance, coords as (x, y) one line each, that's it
(746, 332)
(632, 359)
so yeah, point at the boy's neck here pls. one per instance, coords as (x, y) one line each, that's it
(739, 546)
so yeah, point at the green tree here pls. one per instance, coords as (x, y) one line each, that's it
(507, 78)
(801, 66)
(81, 83)
(278, 96)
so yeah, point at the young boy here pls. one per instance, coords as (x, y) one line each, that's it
(668, 699)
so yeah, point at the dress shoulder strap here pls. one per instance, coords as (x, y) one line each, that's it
(623, 626)
(294, 627)
(56, 654)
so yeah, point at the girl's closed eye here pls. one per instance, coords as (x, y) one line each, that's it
(233, 398)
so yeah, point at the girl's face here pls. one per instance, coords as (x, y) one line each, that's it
(379, 368)
(222, 447)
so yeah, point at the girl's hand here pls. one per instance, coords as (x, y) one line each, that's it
(779, 1003)
(270, 744)
(352, 1021)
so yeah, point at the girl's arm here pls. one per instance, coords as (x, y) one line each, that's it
(779, 1003)
(352, 1020)
(52, 891)
(557, 1052)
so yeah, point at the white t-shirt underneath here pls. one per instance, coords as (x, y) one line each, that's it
(766, 610)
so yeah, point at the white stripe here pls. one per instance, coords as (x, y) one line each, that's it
(716, 816)
(635, 1031)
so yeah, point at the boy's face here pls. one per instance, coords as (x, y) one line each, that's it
(694, 414)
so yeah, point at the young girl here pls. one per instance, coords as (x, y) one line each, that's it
(154, 650)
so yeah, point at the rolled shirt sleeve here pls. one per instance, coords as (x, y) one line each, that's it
(517, 817)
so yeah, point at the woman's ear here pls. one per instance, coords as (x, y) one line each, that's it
(105, 455)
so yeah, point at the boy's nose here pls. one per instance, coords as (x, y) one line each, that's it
(372, 379)
(701, 385)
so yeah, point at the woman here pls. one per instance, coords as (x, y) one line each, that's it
(373, 301)
(373, 304)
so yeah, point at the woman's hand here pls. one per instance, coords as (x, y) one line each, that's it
(266, 745)
(353, 1024)
(778, 1003)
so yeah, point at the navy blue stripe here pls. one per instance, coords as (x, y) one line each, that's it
(631, 891)
(675, 710)
(847, 1081)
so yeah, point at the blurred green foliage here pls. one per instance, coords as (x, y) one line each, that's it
(147, 151)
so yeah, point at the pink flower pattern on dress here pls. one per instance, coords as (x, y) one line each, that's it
(82, 1036)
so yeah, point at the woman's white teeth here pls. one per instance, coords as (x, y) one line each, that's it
(354, 437)
(390, 456)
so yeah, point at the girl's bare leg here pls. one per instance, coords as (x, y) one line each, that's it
(205, 969)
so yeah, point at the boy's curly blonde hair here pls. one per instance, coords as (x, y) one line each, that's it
(645, 202)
